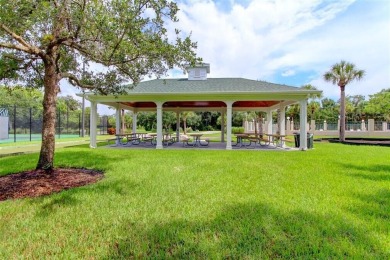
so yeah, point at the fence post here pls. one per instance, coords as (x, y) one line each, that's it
(59, 124)
(67, 119)
(363, 126)
(371, 126)
(14, 123)
(384, 126)
(325, 126)
(312, 126)
(338, 126)
(30, 124)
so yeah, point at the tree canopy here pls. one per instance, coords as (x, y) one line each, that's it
(379, 105)
(45, 41)
(128, 37)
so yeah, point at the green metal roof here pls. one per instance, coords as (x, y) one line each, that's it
(211, 85)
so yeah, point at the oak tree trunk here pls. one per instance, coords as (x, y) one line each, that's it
(342, 114)
(46, 156)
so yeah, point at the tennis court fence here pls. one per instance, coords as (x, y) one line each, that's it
(25, 124)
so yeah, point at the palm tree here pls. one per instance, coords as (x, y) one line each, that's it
(341, 74)
(313, 105)
(313, 96)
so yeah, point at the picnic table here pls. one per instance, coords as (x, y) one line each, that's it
(198, 141)
(276, 139)
(240, 139)
(130, 138)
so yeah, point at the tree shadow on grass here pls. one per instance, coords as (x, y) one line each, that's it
(48, 205)
(63, 158)
(378, 172)
(368, 168)
(86, 159)
(18, 163)
(374, 206)
(249, 231)
(45, 209)
(109, 185)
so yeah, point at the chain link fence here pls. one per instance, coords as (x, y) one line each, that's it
(25, 124)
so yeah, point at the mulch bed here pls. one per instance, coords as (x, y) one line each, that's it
(39, 183)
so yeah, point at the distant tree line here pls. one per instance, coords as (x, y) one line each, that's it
(357, 108)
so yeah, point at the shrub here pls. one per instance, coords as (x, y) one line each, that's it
(238, 130)
(111, 131)
(209, 128)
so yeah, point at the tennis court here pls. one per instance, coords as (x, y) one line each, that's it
(13, 138)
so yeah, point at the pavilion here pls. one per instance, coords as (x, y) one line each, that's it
(199, 93)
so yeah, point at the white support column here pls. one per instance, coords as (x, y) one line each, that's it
(222, 126)
(134, 121)
(92, 127)
(282, 129)
(229, 113)
(269, 122)
(159, 125)
(303, 125)
(117, 122)
(177, 126)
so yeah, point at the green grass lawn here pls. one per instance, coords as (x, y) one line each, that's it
(330, 202)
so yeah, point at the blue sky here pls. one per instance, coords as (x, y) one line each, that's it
(292, 42)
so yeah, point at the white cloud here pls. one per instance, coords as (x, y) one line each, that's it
(265, 39)
(273, 39)
(288, 73)
(244, 41)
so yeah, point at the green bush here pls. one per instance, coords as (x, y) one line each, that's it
(238, 130)
(209, 128)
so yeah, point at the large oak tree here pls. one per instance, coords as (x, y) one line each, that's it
(45, 41)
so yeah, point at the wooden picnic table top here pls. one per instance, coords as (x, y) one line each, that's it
(196, 134)
(276, 135)
(241, 135)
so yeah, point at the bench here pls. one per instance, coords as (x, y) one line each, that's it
(119, 140)
(257, 139)
(205, 141)
(111, 139)
(129, 138)
(168, 139)
(133, 140)
(148, 138)
(184, 139)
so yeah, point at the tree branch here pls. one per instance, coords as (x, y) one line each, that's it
(17, 47)
(75, 81)
(37, 71)
(24, 45)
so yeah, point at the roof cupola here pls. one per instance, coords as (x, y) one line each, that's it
(198, 72)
